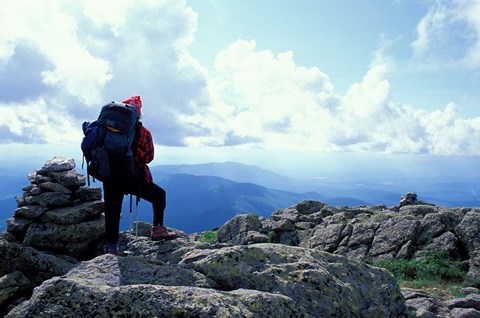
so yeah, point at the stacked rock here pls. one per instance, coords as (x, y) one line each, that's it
(57, 212)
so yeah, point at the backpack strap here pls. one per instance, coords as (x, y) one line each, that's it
(136, 137)
(138, 168)
(88, 174)
(112, 129)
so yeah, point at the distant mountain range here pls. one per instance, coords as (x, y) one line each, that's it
(204, 196)
(197, 203)
(355, 188)
(233, 171)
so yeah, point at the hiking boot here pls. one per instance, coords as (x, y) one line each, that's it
(159, 232)
(113, 251)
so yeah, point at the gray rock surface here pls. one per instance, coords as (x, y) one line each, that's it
(35, 265)
(55, 187)
(29, 211)
(74, 215)
(262, 280)
(71, 239)
(373, 233)
(11, 287)
(468, 230)
(237, 229)
(318, 282)
(58, 164)
(88, 194)
(473, 274)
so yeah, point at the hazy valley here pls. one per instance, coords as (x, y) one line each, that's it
(205, 196)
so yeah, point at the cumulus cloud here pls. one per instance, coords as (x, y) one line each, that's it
(50, 32)
(35, 122)
(113, 49)
(78, 55)
(266, 100)
(260, 94)
(449, 33)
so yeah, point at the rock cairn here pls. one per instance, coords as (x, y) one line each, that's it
(409, 198)
(56, 212)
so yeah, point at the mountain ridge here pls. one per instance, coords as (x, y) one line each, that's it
(246, 188)
(370, 189)
(198, 203)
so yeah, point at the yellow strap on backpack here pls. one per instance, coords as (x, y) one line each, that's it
(113, 129)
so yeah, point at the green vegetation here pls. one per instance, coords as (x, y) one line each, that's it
(437, 270)
(289, 242)
(272, 236)
(208, 237)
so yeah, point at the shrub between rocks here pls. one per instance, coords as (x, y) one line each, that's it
(436, 268)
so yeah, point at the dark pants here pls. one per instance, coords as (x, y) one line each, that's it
(123, 181)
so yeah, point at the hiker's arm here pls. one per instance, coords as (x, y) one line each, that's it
(149, 148)
(144, 148)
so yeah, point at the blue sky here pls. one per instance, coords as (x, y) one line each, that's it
(227, 80)
(344, 39)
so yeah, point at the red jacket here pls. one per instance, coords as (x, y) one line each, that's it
(144, 152)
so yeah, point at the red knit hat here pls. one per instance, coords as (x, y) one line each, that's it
(136, 102)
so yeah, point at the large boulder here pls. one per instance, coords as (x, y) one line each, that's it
(318, 282)
(58, 164)
(71, 239)
(74, 215)
(263, 280)
(242, 229)
(35, 265)
(327, 237)
(12, 286)
(473, 275)
(150, 301)
(435, 224)
(469, 230)
(393, 234)
(300, 212)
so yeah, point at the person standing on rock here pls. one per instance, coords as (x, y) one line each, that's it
(140, 184)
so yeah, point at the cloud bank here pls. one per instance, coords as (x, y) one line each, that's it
(63, 60)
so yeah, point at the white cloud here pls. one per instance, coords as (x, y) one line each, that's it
(46, 28)
(381, 55)
(449, 33)
(89, 52)
(429, 27)
(110, 50)
(471, 14)
(450, 135)
(268, 95)
(265, 100)
(36, 122)
(115, 10)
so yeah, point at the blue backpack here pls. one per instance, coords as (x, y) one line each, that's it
(111, 135)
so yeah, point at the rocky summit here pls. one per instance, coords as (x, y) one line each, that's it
(308, 260)
(367, 233)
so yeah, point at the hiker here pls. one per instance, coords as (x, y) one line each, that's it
(132, 176)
